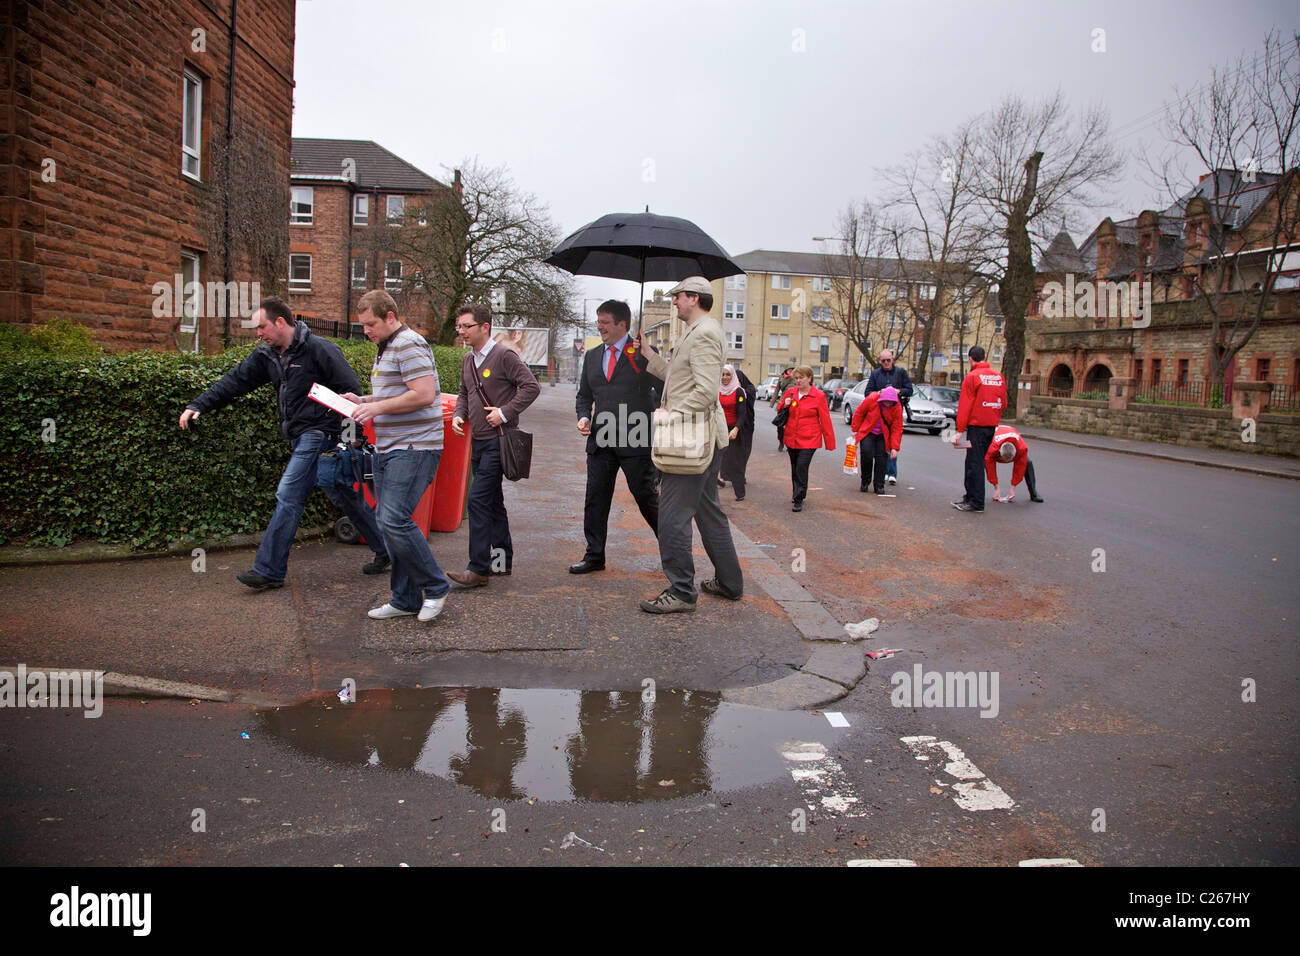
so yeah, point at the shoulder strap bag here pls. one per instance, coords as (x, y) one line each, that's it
(516, 444)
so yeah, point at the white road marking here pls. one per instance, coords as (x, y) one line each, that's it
(974, 791)
(881, 863)
(821, 778)
(835, 718)
(1063, 861)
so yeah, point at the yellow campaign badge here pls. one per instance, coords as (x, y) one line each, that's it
(487, 373)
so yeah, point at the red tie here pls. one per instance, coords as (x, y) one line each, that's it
(609, 368)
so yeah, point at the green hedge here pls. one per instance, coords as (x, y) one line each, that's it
(91, 448)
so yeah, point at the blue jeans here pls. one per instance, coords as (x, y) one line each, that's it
(401, 478)
(296, 483)
(891, 466)
(489, 525)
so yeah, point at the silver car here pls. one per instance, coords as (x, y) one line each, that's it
(923, 413)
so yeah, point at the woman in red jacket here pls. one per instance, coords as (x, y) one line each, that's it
(808, 427)
(878, 427)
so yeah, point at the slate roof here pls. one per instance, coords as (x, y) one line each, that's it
(1062, 256)
(815, 264)
(376, 167)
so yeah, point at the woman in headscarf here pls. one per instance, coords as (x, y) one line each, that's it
(737, 396)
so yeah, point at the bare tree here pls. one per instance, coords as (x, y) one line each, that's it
(1032, 165)
(855, 302)
(484, 243)
(1225, 135)
(932, 192)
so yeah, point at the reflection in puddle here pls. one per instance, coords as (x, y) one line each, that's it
(554, 744)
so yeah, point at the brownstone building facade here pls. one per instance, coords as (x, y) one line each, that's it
(141, 148)
(343, 190)
(1158, 342)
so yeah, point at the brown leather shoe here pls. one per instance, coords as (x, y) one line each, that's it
(468, 579)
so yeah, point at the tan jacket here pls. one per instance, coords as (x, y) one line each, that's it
(693, 377)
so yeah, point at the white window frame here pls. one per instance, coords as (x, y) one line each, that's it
(359, 281)
(295, 217)
(780, 312)
(780, 281)
(737, 282)
(394, 219)
(360, 215)
(192, 153)
(392, 283)
(733, 310)
(191, 304)
(995, 355)
(736, 341)
(300, 286)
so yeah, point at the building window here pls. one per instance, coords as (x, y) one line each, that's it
(299, 272)
(897, 291)
(817, 372)
(997, 354)
(821, 284)
(192, 303)
(192, 126)
(814, 343)
(893, 319)
(1182, 371)
(733, 310)
(1156, 365)
(954, 352)
(736, 282)
(780, 282)
(868, 285)
(773, 368)
(780, 312)
(925, 291)
(360, 210)
(997, 325)
(358, 273)
(396, 210)
(393, 275)
(736, 341)
(775, 341)
(300, 206)
(1262, 369)
(1138, 369)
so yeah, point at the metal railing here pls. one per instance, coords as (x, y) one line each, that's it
(1198, 394)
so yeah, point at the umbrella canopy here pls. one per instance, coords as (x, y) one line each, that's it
(641, 246)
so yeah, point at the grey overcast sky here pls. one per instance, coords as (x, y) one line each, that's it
(757, 120)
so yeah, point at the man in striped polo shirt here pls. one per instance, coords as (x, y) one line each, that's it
(406, 409)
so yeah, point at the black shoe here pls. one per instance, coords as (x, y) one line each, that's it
(257, 582)
(864, 489)
(714, 586)
(377, 566)
(500, 574)
(1036, 498)
(797, 506)
(967, 506)
(742, 498)
(586, 566)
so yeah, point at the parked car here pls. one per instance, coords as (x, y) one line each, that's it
(834, 390)
(922, 413)
(765, 391)
(942, 395)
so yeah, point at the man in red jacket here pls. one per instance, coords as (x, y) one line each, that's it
(983, 398)
(1009, 446)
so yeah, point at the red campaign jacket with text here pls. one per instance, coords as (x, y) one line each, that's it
(889, 417)
(810, 420)
(1005, 433)
(983, 398)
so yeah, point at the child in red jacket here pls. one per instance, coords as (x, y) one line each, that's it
(878, 427)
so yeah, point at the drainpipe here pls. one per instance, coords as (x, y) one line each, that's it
(230, 119)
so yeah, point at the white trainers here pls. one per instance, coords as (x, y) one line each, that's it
(432, 608)
(387, 611)
(891, 479)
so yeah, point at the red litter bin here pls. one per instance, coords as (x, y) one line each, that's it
(442, 505)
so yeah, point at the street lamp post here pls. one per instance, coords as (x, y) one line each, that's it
(848, 342)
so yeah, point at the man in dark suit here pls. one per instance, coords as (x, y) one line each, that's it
(625, 395)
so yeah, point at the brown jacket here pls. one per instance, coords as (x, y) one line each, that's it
(509, 385)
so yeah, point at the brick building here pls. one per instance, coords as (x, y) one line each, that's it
(144, 147)
(1159, 261)
(342, 190)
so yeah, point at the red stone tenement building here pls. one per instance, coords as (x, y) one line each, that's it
(141, 142)
(1167, 258)
(342, 191)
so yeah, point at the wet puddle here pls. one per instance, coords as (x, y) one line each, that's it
(555, 744)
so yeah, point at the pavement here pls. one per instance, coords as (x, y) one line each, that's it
(158, 623)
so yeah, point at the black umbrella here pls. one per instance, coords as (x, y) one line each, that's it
(637, 246)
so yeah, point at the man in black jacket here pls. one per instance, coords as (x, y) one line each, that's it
(889, 374)
(625, 395)
(292, 359)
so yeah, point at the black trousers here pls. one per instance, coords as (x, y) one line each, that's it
(1030, 483)
(980, 437)
(602, 471)
(800, 459)
(873, 459)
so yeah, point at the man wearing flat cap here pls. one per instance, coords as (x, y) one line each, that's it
(690, 392)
